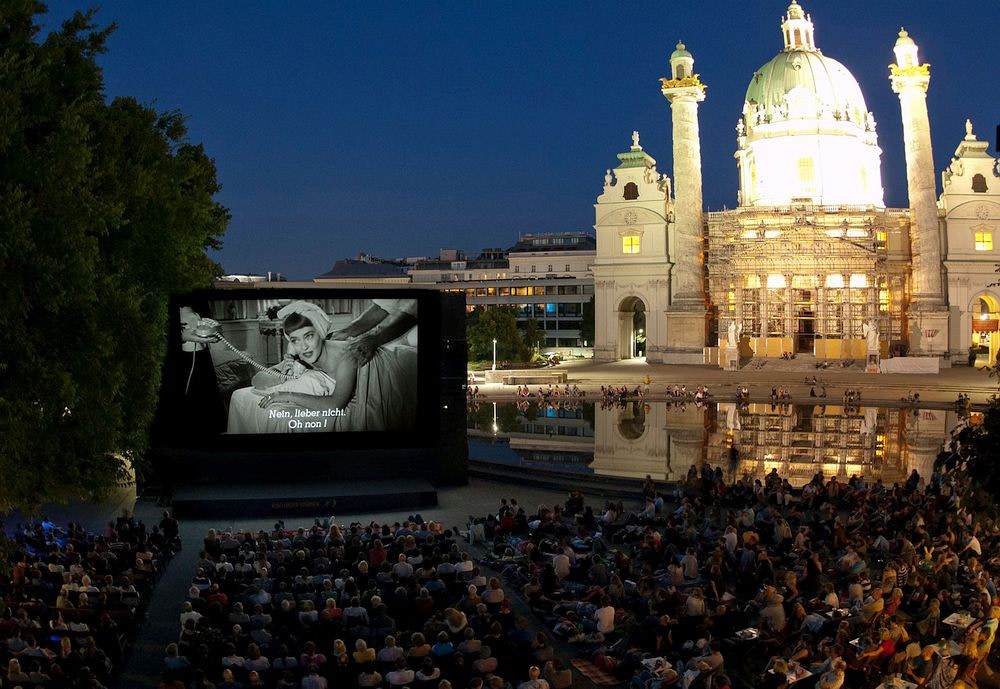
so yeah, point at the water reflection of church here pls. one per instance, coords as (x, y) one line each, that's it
(798, 440)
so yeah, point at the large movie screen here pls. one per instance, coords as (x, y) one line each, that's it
(280, 364)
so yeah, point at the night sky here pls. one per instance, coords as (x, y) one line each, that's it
(400, 128)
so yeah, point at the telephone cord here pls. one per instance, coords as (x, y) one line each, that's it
(190, 374)
(246, 357)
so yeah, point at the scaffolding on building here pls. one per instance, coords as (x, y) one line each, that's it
(805, 272)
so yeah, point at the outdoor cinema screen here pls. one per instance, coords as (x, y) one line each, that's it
(284, 361)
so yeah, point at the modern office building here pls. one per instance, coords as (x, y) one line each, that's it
(546, 276)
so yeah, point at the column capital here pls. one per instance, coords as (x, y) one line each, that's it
(684, 89)
(905, 78)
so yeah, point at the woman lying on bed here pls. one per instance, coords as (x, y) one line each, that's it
(327, 383)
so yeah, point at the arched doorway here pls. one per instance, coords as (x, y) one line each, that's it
(985, 314)
(631, 328)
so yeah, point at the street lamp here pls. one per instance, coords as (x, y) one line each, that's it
(494, 354)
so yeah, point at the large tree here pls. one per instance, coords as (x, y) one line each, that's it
(973, 458)
(106, 209)
(484, 325)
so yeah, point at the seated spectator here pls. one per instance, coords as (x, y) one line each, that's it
(173, 660)
(486, 664)
(255, 661)
(15, 675)
(557, 675)
(310, 656)
(362, 654)
(469, 645)
(390, 653)
(401, 676)
(428, 672)
(444, 648)
(419, 649)
(313, 680)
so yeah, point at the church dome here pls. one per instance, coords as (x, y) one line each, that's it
(793, 74)
(805, 134)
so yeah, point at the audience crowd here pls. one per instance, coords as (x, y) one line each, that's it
(359, 605)
(75, 600)
(838, 584)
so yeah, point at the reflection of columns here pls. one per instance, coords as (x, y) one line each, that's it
(925, 434)
(687, 431)
(910, 80)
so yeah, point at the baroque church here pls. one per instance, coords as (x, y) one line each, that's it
(811, 262)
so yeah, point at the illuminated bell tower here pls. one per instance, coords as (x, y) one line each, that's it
(928, 313)
(686, 316)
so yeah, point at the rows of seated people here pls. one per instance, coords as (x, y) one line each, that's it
(75, 600)
(345, 606)
(837, 584)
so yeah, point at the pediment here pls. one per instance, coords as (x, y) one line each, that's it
(631, 216)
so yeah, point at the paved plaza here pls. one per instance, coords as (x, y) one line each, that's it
(887, 388)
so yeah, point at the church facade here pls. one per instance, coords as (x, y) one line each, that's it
(811, 261)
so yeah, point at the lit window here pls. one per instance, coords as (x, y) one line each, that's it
(807, 170)
(835, 280)
(752, 281)
(775, 281)
(858, 280)
(630, 244)
(984, 241)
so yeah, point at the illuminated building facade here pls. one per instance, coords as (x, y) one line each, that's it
(811, 261)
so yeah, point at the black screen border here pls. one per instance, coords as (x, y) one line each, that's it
(170, 433)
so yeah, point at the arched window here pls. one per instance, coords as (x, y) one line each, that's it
(631, 191)
(979, 184)
(680, 72)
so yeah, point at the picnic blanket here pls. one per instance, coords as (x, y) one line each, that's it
(594, 673)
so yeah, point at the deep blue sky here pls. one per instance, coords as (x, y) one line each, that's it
(400, 128)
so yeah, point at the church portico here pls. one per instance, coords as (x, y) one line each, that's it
(803, 279)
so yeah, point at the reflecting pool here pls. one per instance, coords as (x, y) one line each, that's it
(665, 439)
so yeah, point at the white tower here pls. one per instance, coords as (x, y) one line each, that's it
(686, 319)
(970, 202)
(928, 314)
(632, 266)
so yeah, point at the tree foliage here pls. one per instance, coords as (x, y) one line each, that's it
(532, 338)
(105, 210)
(973, 458)
(498, 322)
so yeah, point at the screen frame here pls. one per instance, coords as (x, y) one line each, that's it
(170, 431)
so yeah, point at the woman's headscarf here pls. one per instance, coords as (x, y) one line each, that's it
(309, 311)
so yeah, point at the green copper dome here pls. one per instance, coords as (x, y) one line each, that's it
(681, 51)
(829, 81)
